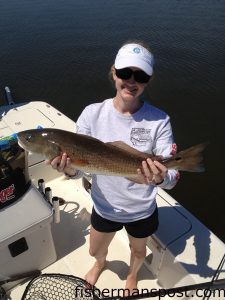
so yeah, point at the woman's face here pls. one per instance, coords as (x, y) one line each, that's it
(128, 89)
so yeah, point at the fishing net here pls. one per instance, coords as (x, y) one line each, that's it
(59, 287)
(68, 287)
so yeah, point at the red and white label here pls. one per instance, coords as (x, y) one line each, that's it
(7, 194)
(174, 149)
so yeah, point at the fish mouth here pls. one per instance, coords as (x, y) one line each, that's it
(21, 143)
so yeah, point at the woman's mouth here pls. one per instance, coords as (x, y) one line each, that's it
(130, 90)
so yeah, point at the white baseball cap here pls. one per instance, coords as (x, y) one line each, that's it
(135, 55)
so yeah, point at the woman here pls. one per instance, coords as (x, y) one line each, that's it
(119, 202)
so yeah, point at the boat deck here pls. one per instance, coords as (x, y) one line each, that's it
(71, 241)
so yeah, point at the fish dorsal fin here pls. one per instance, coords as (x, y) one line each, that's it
(87, 137)
(131, 150)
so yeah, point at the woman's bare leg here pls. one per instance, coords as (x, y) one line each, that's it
(138, 254)
(99, 243)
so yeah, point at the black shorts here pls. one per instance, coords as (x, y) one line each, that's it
(138, 229)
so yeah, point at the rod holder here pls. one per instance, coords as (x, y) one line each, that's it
(9, 96)
(48, 194)
(41, 186)
(55, 203)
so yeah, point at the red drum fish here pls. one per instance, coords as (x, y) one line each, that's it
(94, 156)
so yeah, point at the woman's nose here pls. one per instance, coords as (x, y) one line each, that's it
(131, 79)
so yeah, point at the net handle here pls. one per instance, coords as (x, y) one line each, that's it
(164, 292)
(21, 276)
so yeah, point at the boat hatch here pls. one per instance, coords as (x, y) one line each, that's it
(5, 131)
(173, 228)
(23, 119)
(168, 230)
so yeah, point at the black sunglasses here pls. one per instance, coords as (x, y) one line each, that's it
(139, 75)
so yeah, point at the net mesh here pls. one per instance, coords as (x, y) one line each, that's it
(59, 287)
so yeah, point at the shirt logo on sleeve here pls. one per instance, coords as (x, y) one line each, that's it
(174, 149)
(140, 136)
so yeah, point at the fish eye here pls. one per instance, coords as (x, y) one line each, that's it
(28, 137)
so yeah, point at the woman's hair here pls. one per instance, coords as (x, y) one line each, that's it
(141, 43)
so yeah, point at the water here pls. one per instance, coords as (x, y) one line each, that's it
(61, 52)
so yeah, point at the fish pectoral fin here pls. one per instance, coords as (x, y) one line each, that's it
(131, 150)
(55, 148)
(80, 162)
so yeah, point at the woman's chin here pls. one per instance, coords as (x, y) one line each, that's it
(129, 95)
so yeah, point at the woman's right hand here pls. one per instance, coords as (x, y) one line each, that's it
(62, 164)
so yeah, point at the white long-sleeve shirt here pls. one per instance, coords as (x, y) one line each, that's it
(148, 130)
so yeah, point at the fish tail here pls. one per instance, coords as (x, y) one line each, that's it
(190, 160)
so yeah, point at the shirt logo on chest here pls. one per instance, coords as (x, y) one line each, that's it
(140, 136)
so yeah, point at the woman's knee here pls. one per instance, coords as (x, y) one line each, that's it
(139, 253)
(99, 243)
(98, 253)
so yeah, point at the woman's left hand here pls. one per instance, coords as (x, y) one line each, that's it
(152, 172)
